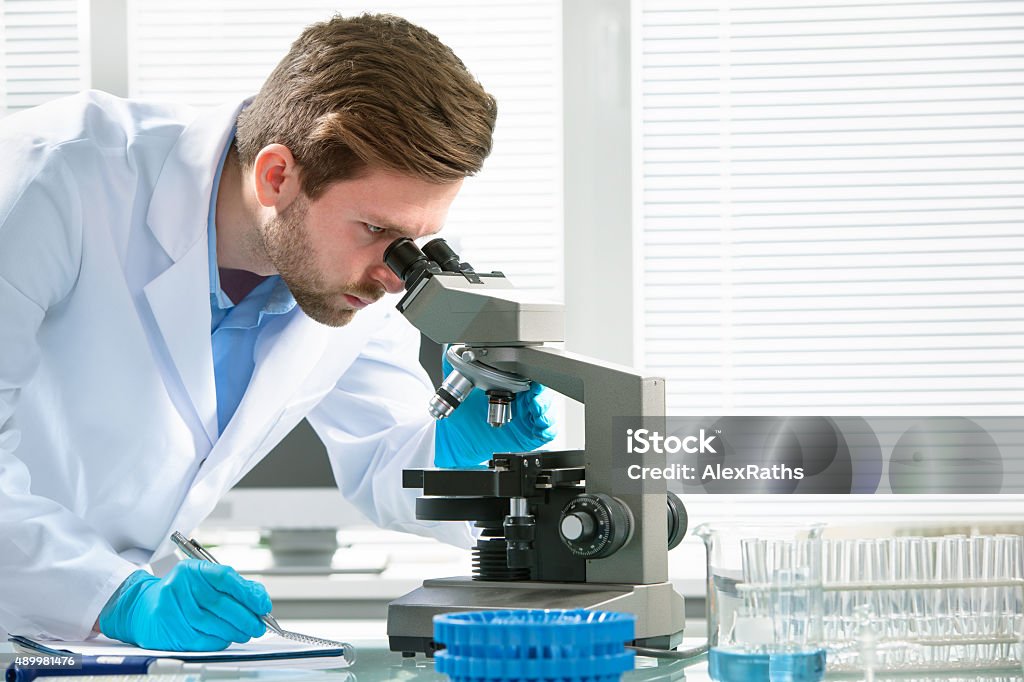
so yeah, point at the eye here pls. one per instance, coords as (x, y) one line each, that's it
(374, 229)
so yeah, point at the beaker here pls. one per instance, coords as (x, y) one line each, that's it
(765, 597)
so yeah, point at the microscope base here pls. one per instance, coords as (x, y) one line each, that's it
(658, 607)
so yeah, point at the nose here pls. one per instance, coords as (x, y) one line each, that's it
(383, 276)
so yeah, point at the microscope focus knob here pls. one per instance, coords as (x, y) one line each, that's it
(595, 525)
(577, 526)
(677, 520)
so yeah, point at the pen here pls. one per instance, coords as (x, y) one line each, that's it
(91, 665)
(217, 674)
(194, 550)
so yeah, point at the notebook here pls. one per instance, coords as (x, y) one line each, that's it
(270, 649)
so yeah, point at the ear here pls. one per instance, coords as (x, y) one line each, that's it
(276, 177)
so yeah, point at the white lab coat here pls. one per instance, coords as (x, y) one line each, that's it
(108, 419)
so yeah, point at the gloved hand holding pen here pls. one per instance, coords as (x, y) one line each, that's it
(198, 606)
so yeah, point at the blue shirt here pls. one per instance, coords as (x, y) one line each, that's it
(234, 328)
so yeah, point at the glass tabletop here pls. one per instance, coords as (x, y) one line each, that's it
(374, 661)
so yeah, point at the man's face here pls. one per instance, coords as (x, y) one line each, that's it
(330, 251)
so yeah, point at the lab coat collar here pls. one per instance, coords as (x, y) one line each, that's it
(179, 208)
(178, 217)
(181, 307)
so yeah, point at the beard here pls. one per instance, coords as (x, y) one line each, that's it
(286, 244)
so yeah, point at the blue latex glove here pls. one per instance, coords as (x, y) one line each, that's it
(466, 439)
(198, 606)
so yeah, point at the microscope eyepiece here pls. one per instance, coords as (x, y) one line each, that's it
(438, 251)
(407, 261)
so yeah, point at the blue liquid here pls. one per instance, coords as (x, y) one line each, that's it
(740, 666)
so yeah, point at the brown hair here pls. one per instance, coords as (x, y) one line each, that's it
(373, 90)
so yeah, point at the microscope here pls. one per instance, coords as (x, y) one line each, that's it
(553, 531)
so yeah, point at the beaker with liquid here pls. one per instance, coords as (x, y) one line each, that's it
(764, 601)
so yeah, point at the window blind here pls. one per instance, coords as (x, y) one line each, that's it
(42, 52)
(509, 217)
(832, 202)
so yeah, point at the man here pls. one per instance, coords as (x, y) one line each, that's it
(178, 290)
